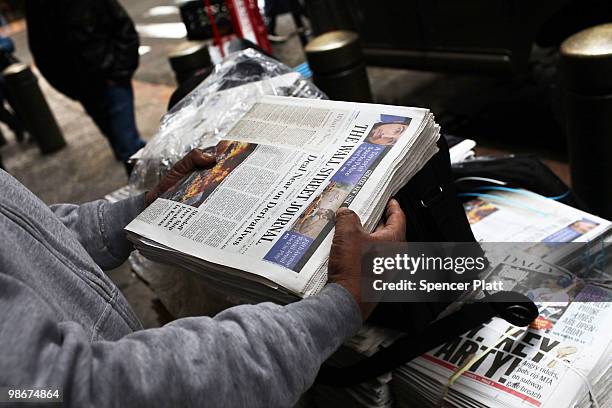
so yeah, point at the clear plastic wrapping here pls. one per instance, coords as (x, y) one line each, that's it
(204, 116)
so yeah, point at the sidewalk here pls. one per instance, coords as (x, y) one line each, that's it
(85, 169)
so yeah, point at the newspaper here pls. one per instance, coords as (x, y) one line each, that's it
(459, 149)
(552, 363)
(265, 213)
(513, 215)
(563, 358)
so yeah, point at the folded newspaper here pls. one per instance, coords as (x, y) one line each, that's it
(460, 149)
(260, 223)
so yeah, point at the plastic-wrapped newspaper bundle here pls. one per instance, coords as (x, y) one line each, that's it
(204, 116)
(563, 358)
(260, 222)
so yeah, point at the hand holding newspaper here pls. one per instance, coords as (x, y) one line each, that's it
(260, 223)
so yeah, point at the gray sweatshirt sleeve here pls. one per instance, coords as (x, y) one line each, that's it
(264, 355)
(98, 226)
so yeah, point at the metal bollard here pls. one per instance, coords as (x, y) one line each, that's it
(31, 106)
(187, 58)
(338, 67)
(330, 15)
(586, 72)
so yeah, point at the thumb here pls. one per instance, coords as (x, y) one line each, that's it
(347, 222)
(194, 159)
(346, 243)
(202, 159)
(394, 228)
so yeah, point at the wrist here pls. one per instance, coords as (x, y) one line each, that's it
(352, 288)
(344, 292)
(348, 285)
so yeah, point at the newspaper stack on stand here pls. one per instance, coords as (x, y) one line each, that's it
(259, 225)
(564, 358)
(374, 393)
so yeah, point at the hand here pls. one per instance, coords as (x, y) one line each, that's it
(193, 160)
(345, 257)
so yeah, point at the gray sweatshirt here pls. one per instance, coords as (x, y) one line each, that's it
(64, 324)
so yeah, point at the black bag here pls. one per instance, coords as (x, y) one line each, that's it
(433, 215)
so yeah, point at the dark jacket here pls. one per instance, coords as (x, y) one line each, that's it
(79, 45)
(7, 48)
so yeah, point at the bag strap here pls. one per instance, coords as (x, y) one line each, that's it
(430, 201)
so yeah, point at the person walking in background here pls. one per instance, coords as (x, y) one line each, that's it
(88, 50)
(274, 8)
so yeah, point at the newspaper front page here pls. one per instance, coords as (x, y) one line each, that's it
(548, 363)
(566, 351)
(268, 205)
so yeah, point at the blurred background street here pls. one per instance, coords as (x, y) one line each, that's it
(468, 106)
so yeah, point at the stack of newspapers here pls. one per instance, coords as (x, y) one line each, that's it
(259, 224)
(563, 359)
(374, 393)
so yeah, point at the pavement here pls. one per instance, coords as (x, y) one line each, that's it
(85, 170)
